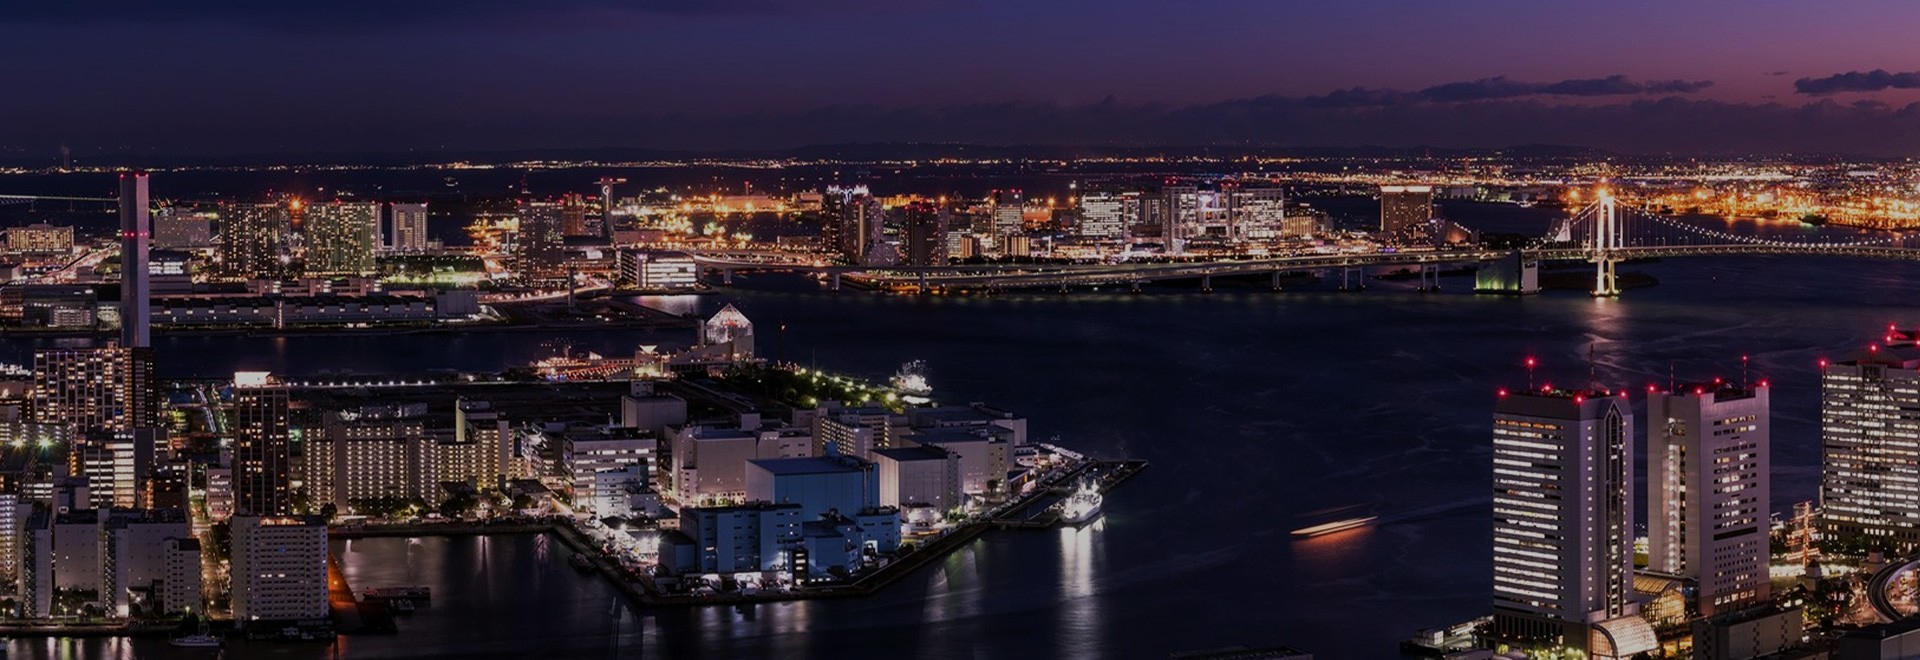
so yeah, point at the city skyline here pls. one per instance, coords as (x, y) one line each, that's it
(1646, 77)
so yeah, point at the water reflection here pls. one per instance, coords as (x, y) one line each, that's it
(1079, 613)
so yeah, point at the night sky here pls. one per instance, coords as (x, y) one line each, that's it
(245, 76)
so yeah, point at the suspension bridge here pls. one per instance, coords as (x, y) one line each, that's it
(1604, 233)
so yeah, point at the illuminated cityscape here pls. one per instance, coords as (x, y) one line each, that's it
(604, 329)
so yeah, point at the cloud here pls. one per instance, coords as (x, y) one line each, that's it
(1497, 88)
(1858, 81)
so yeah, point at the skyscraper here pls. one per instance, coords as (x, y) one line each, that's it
(1869, 476)
(253, 239)
(1563, 519)
(262, 471)
(407, 227)
(1708, 490)
(854, 222)
(341, 237)
(1102, 216)
(925, 225)
(1405, 208)
(135, 230)
(541, 243)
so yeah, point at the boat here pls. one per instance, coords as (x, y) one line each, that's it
(401, 606)
(1335, 527)
(581, 562)
(200, 640)
(1082, 506)
(911, 381)
(394, 593)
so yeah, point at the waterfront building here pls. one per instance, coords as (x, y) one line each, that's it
(644, 409)
(262, 446)
(658, 270)
(183, 227)
(1405, 208)
(406, 227)
(135, 231)
(477, 423)
(279, 569)
(361, 457)
(819, 484)
(923, 228)
(975, 415)
(856, 431)
(341, 237)
(1870, 481)
(923, 474)
(748, 537)
(731, 329)
(150, 562)
(35, 587)
(14, 512)
(982, 453)
(40, 238)
(254, 239)
(1563, 522)
(1708, 490)
(1102, 216)
(168, 274)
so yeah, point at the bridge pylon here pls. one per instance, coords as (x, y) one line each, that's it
(1604, 247)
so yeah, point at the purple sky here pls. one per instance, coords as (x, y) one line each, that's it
(227, 76)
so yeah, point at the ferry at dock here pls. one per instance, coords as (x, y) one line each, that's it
(1082, 506)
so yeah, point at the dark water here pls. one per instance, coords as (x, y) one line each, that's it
(1256, 409)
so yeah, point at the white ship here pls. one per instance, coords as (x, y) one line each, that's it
(1082, 506)
(911, 381)
(202, 640)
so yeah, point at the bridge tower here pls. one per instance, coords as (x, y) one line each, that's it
(1604, 247)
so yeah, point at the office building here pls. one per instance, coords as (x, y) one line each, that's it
(1405, 209)
(1708, 490)
(1256, 214)
(1007, 210)
(279, 569)
(658, 270)
(262, 446)
(1102, 216)
(254, 239)
(135, 230)
(1870, 481)
(341, 237)
(1563, 521)
(924, 231)
(540, 245)
(573, 217)
(709, 463)
(406, 227)
(183, 228)
(853, 222)
(585, 452)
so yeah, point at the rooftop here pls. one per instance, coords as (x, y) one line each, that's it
(811, 465)
(915, 453)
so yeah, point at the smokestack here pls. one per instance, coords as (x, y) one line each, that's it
(135, 228)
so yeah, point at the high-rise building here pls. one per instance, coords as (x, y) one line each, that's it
(407, 227)
(1870, 485)
(1405, 208)
(573, 216)
(1708, 489)
(135, 230)
(853, 220)
(1563, 520)
(1102, 216)
(1180, 208)
(925, 228)
(540, 246)
(262, 446)
(279, 569)
(341, 237)
(254, 239)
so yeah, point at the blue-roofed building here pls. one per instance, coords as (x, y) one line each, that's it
(819, 484)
